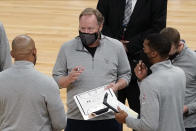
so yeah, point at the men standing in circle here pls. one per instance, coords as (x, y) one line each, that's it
(130, 21)
(185, 58)
(29, 100)
(89, 61)
(5, 58)
(161, 92)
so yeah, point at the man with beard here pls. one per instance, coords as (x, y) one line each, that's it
(161, 92)
(87, 62)
(130, 21)
(29, 100)
(184, 58)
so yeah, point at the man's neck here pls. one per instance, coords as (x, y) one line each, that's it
(24, 59)
(159, 59)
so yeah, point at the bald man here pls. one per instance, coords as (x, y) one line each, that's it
(29, 100)
(5, 58)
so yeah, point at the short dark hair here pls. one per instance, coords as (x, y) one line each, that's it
(91, 11)
(159, 43)
(172, 35)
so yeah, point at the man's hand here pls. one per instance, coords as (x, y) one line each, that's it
(113, 86)
(185, 109)
(74, 74)
(141, 70)
(121, 116)
(125, 42)
(65, 81)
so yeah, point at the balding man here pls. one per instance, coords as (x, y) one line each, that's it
(5, 58)
(29, 100)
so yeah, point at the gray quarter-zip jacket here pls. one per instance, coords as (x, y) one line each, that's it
(162, 99)
(29, 100)
(187, 61)
(109, 64)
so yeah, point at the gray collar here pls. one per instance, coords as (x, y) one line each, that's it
(23, 64)
(161, 65)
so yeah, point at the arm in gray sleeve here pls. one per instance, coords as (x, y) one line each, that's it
(55, 107)
(191, 108)
(149, 118)
(124, 69)
(60, 68)
(5, 57)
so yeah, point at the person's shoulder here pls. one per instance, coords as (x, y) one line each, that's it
(191, 53)
(3, 73)
(42, 76)
(149, 83)
(1, 26)
(48, 81)
(112, 42)
(71, 43)
(187, 56)
(178, 71)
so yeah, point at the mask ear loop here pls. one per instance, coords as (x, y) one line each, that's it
(99, 35)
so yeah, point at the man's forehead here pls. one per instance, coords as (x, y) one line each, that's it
(88, 16)
(88, 21)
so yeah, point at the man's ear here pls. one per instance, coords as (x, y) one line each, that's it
(154, 54)
(100, 27)
(12, 53)
(34, 51)
(180, 46)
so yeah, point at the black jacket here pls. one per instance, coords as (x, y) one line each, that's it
(148, 16)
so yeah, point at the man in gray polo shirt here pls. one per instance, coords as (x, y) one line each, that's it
(161, 93)
(185, 58)
(5, 58)
(29, 100)
(89, 61)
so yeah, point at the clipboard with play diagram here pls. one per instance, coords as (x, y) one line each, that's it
(90, 103)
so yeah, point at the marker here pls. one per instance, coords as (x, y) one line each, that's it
(140, 67)
(78, 69)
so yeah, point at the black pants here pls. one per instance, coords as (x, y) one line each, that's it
(98, 125)
(191, 129)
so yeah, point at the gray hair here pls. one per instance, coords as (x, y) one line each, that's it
(91, 11)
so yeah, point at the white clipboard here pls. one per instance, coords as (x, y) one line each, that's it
(114, 104)
(90, 103)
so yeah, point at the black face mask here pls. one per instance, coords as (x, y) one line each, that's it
(171, 57)
(145, 59)
(88, 39)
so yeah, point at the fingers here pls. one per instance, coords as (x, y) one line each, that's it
(124, 41)
(119, 109)
(75, 72)
(113, 86)
(143, 66)
(78, 69)
(121, 116)
(138, 68)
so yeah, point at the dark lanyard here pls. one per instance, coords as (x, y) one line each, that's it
(123, 33)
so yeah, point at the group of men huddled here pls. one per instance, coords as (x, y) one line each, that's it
(166, 75)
